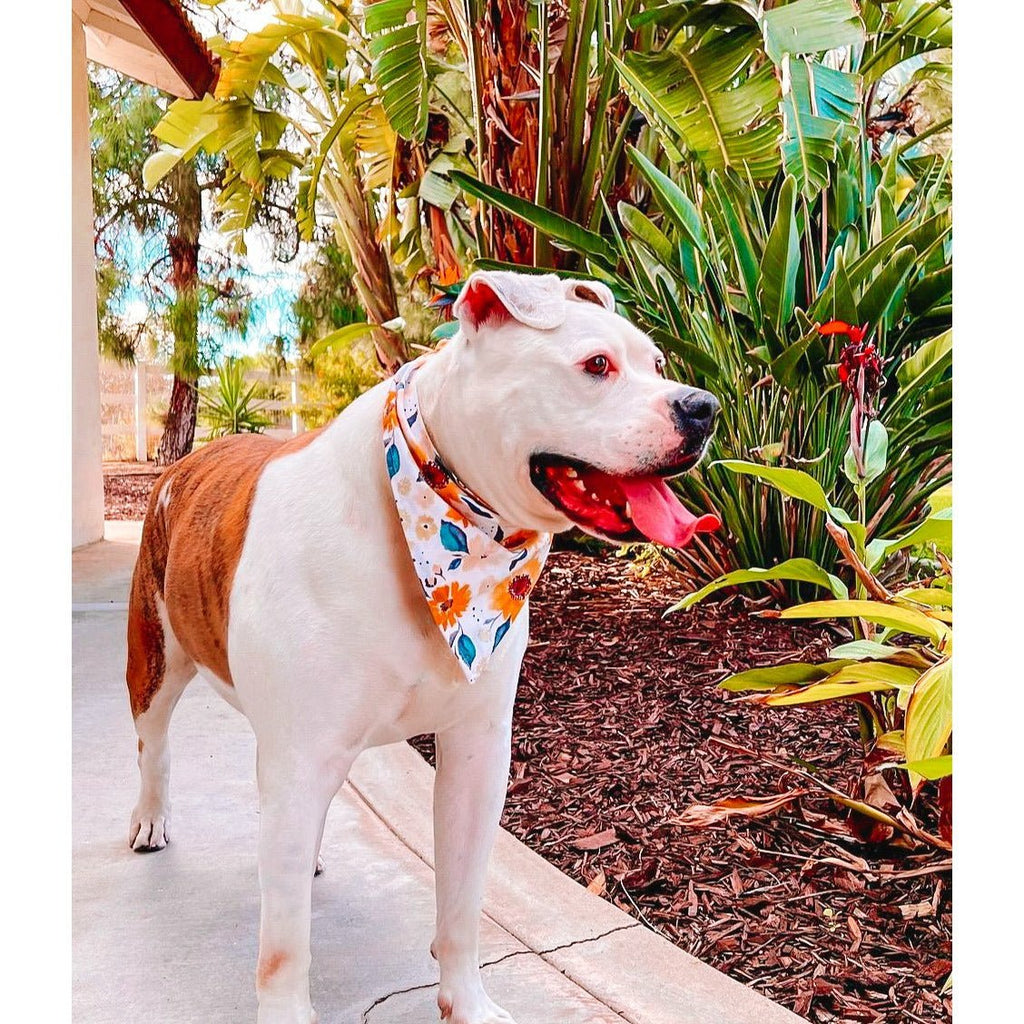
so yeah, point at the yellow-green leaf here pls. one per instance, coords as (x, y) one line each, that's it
(905, 620)
(929, 722)
(158, 165)
(931, 767)
(827, 690)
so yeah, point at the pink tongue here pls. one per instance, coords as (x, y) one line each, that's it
(660, 515)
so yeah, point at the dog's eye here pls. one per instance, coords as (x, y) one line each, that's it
(659, 365)
(598, 366)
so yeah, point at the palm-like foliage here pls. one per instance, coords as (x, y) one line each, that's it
(756, 209)
(231, 406)
(308, 101)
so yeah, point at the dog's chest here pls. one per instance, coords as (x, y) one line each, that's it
(326, 594)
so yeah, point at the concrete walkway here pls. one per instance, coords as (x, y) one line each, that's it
(171, 937)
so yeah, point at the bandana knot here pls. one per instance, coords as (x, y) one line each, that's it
(476, 571)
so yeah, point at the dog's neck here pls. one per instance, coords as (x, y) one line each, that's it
(452, 404)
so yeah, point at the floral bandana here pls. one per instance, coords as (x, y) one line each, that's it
(475, 573)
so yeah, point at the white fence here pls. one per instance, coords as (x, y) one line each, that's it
(134, 399)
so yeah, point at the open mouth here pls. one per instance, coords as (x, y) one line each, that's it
(620, 508)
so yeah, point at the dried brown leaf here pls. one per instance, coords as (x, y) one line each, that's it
(699, 815)
(595, 840)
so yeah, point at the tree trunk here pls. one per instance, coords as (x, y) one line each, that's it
(180, 428)
(510, 126)
(356, 230)
(183, 246)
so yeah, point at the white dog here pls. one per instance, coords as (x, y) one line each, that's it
(362, 584)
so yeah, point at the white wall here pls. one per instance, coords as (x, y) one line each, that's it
(86, 442)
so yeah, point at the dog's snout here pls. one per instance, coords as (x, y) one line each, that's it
(694, 410)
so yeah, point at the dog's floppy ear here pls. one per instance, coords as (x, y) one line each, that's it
(590, 291)
(497, 296)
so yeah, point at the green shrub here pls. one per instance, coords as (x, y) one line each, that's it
(229, 406)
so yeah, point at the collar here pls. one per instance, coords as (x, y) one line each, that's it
(475, 570)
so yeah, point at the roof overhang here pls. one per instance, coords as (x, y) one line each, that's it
(151, 40)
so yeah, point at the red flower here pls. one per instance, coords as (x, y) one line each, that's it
(855, 334)
(860, 368)
(520, 587)
(435, 475)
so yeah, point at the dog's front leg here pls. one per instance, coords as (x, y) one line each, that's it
(294, 798)
(469, 793)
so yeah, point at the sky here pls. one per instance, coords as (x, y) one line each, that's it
(272, 284)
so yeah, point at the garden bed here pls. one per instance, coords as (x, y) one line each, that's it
(126, 487)
(619, 728)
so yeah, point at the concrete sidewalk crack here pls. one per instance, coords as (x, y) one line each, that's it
(365, 1018)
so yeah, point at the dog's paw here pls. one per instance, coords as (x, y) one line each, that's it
(272, 1014)
(148, 831)
(477, 1008)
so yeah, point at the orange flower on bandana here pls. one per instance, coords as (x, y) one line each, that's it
(448, 603)
(391, 413)
(510, 594)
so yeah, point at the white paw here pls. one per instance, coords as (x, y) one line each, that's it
(471, 1008)
(148, 830)
(285, 1014)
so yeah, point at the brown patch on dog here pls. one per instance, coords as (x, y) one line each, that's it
(190, 549)
(268, 967)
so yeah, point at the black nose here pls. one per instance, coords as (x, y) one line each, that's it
(694, 411)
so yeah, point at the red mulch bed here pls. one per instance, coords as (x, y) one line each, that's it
(126, 487)
(619, 728)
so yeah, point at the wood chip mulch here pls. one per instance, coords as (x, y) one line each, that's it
(620, 728)
(126, 487)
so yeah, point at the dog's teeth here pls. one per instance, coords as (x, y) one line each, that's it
(629, 511)
(593, 495)
(580, 485)
(571, 474)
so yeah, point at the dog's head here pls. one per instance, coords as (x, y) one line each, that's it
(567, 415)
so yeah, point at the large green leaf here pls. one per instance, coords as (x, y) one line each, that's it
(245, 61)
(398, 45)
(555, 226)
(837, 301)
(876, 451)
(677, 206)
(811, 26)
(739, 242)
(781, 260)
(864, 650)
(159, 165)
(929, 359)
(341, 337)
(886, 291)
(911, 27)
(817, 104)
(936, 529)
(642, 228)
(794, 482)
(799, 570)
(709, 99)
